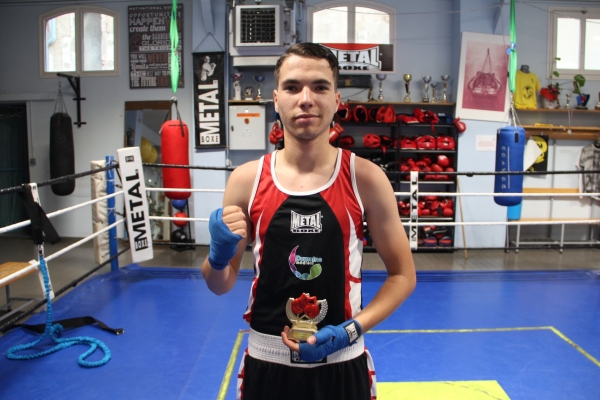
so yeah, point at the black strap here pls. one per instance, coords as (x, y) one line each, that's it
(40, 223)
(71, 323)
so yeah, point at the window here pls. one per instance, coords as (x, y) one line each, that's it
(575, 47)
(79, 40)
(351, 22)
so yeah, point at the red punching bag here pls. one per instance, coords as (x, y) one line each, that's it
(175, 145)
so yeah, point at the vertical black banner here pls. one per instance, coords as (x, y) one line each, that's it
(209, 99)
(150, 46)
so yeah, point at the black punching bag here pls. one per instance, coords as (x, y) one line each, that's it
(62, 152)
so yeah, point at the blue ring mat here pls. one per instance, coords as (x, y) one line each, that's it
(535, 332)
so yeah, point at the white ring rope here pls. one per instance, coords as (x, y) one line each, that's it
(184, 190)
(445, 194)
(33, 266)
(59, 212)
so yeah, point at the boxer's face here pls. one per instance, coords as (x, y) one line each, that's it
(306, 98)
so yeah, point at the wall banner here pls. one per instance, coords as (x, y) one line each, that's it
(209, 99)
(150, 46)
(356, 58)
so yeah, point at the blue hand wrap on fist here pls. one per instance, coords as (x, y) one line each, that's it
(223, 242)
(331, 339)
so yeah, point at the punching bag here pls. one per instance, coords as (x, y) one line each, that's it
(62, 152)
(510, 150)
(175, 143)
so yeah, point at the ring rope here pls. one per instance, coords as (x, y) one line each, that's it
(65, 178)
(55, 331)
(36, 264)
(188, 166)
(184, 190)
(59, 212)
(445, 194)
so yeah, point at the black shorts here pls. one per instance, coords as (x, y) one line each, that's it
(348, 380)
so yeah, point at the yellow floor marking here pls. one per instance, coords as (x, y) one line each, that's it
(231, 364)
(477, 330)
(450, 390)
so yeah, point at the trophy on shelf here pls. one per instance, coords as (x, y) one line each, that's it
(598, 105)
(433, 86)
(258, 79)
(426, 79)
(380, 78)
(568, 101)
(248, 93)
(237, 87)
(407, 78)
(445, 79)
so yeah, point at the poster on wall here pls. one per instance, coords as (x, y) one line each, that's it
(483, 92)
(209, 99)
(150, 46)
(357, 58)
(541, 163)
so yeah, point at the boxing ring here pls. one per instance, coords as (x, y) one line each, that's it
(463, 335)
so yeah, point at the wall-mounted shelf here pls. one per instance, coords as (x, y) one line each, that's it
(562, 132)
(249, 102)
(559, 110)
(401, 103)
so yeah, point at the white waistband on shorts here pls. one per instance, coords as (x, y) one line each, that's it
(271, 348)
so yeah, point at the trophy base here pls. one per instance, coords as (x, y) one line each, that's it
(597, 107)
(407, 99)
(302, 330)
(425, 100)
(258, 98)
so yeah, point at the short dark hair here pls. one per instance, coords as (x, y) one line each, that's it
(310, 50)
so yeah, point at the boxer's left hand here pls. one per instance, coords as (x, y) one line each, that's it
(326, 341)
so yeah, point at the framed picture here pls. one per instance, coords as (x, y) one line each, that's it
(483, 92)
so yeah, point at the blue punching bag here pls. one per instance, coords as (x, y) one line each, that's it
(510, 149)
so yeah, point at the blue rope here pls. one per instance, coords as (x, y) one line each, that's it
(55, 332)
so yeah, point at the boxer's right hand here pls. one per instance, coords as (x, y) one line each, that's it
(227, 226)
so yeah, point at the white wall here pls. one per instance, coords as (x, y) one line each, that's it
(427, 41)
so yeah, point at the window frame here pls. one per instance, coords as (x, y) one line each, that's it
(351, 21)
(553, 14)
(78, 11)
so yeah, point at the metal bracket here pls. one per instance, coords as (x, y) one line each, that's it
(76, 85)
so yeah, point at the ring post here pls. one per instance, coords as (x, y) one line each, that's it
(112, 233)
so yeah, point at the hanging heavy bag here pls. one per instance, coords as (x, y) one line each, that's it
(510, 149)
(62, 151)
(175, 144)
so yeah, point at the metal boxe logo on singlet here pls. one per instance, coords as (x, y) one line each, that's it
(136, 204)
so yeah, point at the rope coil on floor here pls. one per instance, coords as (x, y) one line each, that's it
(55, 331)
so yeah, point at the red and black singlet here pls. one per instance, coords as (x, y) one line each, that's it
(305, 242)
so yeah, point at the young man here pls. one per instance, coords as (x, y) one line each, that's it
(302, 208)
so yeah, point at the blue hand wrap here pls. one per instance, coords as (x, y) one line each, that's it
(331, 339)
(223, 242)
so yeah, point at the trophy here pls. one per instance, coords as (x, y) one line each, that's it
(433, 86)
(258, 80)
(248, 93)
(237, 87)
(598, 105)
(445, 79)
(380, 78)
(582, 100)
(305, 312)
(568, 101)
(407, 78)
(426, 79)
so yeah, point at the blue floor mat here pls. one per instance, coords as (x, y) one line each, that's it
(536, 333)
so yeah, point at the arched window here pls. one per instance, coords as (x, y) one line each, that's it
(351, 22)
(80, 40)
